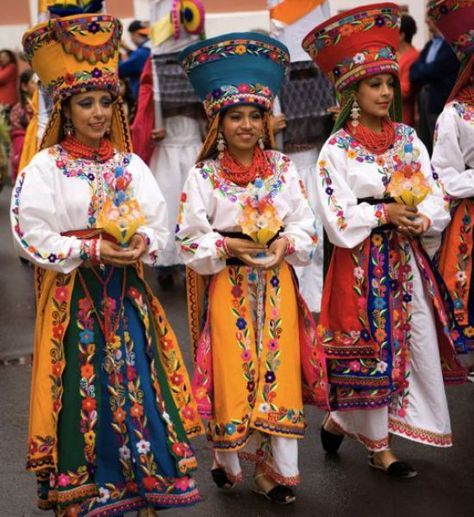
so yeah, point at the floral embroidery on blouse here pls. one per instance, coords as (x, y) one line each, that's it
(332, 201)
(464, 111)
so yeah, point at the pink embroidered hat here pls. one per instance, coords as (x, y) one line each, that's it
(455, 20)
(356, 44)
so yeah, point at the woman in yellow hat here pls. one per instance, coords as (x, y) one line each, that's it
(244, 221)
(111, 407)
(387, 335)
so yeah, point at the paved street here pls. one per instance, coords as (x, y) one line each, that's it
(331, 487)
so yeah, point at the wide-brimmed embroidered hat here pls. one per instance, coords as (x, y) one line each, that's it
(357, 43)
(455, 20)
(236, 68)
(73, 55)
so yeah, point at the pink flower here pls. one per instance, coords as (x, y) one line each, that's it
(63, 480)
(354, 366)
(182, 483)
(246, 355)
(273, 345)
(188, 413)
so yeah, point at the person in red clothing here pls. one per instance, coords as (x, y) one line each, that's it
(8, 80)
(407, 55)
(20, 117)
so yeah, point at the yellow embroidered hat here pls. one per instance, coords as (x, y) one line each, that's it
(78, 54)
(75, 54)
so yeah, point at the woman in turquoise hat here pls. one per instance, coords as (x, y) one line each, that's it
(244, 221)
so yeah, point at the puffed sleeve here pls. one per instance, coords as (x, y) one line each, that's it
(300, 224)
(153, 205)
(435, 205)
(34, 221)
(199, 245)
(347, 223)
(448, 160)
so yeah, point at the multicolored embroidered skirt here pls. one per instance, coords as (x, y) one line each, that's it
(456, 266)
(120, 399)
(365, 324)
(256, 354)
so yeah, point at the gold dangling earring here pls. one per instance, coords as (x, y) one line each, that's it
(221, 145)
(68, 127)
(355, 113)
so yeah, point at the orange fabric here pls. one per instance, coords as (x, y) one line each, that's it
(405, 61)
(452, 259)
(289, 11)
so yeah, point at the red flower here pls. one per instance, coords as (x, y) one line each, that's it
(179, 449)
(69, 78)
(58, 331)
(133, 293)
(89, 404)
(177, 379)
(131, 373)
(132, 487)
(85, 304)
(150, 483)
(183, 197)
(56, 369)
(119, 415)
(188, 413)
(61, 294)
(136, 410)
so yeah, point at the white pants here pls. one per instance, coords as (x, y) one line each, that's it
(170, 163)
(275, 455)
(311, 276)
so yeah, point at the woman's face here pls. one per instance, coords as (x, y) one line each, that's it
(375, 95)
(91, 115)
(242, 126)
(30, 87)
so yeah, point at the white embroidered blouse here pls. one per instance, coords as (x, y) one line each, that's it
(56, 194)
(348, 173)
(453, 152)
(211, 204)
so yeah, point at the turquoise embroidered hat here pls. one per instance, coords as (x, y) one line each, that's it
(235, 68)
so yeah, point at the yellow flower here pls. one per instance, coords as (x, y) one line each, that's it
(240, 49)
(351, 153)
(89, 438)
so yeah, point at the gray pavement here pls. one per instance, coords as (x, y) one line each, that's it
(343, 486)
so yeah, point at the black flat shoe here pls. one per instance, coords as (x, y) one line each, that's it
(330, 441)
(396, 469)
(220, 478)
(279, 494)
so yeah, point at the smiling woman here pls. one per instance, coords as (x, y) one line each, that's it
(89, 115)
(111, 408)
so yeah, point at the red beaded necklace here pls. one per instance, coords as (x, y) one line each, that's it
(74, 147)
(242, 175)
(375, 142)
(466, 95)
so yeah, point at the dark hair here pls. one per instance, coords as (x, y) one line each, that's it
(407, 27)
(136, 25)
(25, 78)
(10, 54)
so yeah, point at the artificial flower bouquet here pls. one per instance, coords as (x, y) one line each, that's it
(407, 184)
(259, 218)
(121, 218)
